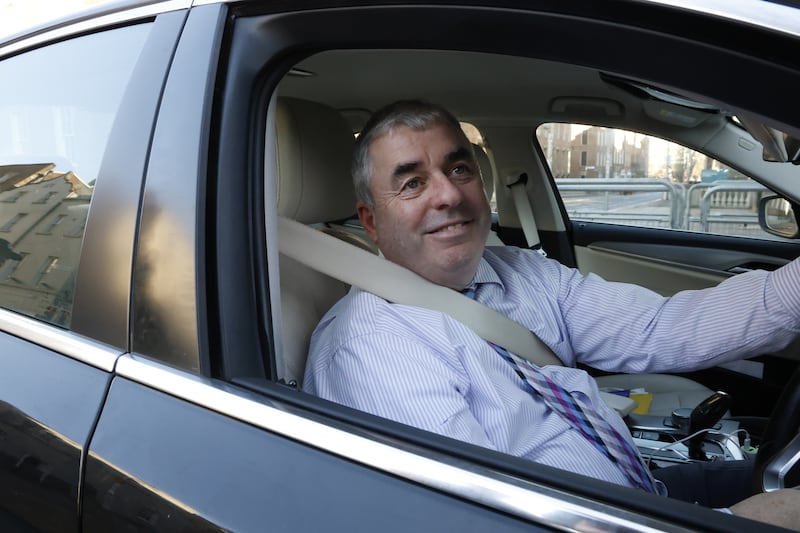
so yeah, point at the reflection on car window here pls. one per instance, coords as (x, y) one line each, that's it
(57, 105)
(622, 177)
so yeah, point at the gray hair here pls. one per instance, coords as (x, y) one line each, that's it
(415, 114)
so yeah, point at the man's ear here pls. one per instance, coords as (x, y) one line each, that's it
(367, 217)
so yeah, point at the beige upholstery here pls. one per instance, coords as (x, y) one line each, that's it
(669, 392)
(313, 145)
(485, 165)
(487, 174)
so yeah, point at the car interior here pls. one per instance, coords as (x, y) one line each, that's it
(324, 100)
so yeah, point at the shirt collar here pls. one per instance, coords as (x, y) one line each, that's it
(486, 274)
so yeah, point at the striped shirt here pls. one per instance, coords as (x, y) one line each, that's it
(423, 368)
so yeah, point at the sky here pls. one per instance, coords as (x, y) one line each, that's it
(17, 15)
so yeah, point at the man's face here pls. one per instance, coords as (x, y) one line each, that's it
(431, 214)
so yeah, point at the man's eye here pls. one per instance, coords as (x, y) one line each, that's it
(411, 184)
(461, 170)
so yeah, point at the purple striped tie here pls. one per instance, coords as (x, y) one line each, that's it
(581, 416)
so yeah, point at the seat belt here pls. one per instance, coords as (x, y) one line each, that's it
(397, 284)
(516, 184)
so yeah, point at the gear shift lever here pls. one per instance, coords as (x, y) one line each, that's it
(705, 415)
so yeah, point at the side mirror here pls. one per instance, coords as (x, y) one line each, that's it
(778, 216)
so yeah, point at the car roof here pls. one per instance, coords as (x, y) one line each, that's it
(484, 89)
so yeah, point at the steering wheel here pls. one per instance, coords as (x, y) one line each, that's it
(782, 430)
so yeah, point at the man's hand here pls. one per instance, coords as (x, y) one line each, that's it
(780, 508)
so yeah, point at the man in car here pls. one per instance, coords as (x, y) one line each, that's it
(421, 199)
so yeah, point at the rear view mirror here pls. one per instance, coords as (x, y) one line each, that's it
(778, 216)
(777, 145)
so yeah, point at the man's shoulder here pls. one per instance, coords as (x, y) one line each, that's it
(513, 259)
(361, 313)
(511, 253)
(357, 307)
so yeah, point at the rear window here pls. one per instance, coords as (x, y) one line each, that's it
(57, 105)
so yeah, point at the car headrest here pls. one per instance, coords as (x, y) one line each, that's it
(486, 169)
(314, 147)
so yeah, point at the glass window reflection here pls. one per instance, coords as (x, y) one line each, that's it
(57, 105)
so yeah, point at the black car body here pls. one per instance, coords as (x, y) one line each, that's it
(139, 379)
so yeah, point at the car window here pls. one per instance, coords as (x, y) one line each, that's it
(57, 104)
(624, 177)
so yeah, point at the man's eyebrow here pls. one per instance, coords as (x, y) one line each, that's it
(459, 154)
(405, 168)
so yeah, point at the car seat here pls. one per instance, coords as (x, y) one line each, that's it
(313, 148)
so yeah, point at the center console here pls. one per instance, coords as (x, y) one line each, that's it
(698, 434)
(663, 441)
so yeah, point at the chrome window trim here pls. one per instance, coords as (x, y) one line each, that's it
(440, 472)
(73, 26)
(66, 342)
(775, 17)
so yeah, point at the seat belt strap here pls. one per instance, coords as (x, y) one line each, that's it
(397, 284)
(516, 184)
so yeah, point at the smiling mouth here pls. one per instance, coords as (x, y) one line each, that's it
(451, 228)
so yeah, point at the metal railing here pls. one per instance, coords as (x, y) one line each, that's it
(676, 191)
(736, 201)
(732, 203)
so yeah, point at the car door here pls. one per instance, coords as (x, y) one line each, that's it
(65, 179)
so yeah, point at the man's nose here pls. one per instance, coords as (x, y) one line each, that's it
(445, 193)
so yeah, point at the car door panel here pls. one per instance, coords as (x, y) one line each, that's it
(663, 277)
(162, 464)
(669, 261)
(48, 406)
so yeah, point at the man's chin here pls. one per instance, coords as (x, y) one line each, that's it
(457, 272)
(453, 266)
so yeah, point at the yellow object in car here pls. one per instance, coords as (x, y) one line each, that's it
(643, 401)
(639, 395)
